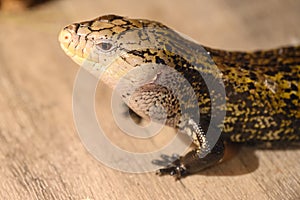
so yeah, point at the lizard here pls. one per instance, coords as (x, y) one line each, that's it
(261, 88)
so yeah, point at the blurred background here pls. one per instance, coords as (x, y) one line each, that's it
(41, 156)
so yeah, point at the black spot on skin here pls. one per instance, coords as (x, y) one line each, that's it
(270, 73)
(251, 86)
(76, 27)
(293, 97)
(294, 87)
(287, 101)
(286, 69)
(171, 116)
(158, 60)
(246, 67)
(253, 76)
(288, 90)
(137, 53)
(287, 77)
(149, 52)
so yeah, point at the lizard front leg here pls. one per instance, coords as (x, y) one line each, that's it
(197, 159)
(145, 102)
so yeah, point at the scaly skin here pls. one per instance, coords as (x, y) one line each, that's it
(262, 88)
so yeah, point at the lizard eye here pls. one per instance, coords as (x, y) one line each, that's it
(105, 46)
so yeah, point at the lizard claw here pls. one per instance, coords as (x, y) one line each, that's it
(172, 167)
(174, 170)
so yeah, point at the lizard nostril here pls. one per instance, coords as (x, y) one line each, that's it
(65, 37)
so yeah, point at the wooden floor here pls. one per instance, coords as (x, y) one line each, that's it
(41, 155)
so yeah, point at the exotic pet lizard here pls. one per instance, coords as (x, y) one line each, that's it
(262, 88)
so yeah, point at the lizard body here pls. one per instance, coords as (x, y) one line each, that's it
(262, 88)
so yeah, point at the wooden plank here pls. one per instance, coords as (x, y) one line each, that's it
(41, 154)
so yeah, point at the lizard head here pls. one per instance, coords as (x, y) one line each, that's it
(112, 44)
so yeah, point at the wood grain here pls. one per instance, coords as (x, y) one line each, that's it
(41, 154)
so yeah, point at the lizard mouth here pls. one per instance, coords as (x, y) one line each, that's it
(71, 44)
(67, 41)
(73, 55)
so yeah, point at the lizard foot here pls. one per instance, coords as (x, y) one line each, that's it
(172, 166)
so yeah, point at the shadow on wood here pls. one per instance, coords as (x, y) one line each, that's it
(242, 159)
